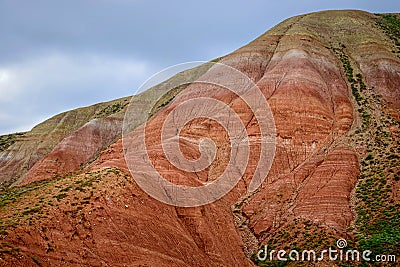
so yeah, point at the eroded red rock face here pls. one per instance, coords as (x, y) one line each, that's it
(312, 109)
(77, 149)
(318, 190)
(383, 74)
(21, 156)
(325, 196)
(302, 87)
(313, 173)
(122, 226)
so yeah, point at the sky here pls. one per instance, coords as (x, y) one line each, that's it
(60, 55)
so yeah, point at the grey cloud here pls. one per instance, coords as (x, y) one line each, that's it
(60, 82)
(98, 43)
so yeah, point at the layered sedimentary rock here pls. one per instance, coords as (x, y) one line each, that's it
(77, 149)
(21, 156)
(302, 68)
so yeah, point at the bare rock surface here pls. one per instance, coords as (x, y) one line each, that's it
(102, 218)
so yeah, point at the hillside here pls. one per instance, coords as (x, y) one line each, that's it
(332, 81)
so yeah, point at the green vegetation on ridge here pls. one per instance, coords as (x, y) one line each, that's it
(390, 25)
(378, 212)
(8, 140)
(112, 108)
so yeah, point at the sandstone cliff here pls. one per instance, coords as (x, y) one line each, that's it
(332, 81)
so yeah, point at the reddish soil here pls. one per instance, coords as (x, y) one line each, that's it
(112, 222)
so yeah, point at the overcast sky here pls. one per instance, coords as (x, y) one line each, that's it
(59, 55)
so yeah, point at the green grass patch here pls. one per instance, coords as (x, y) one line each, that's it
(8, 140)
